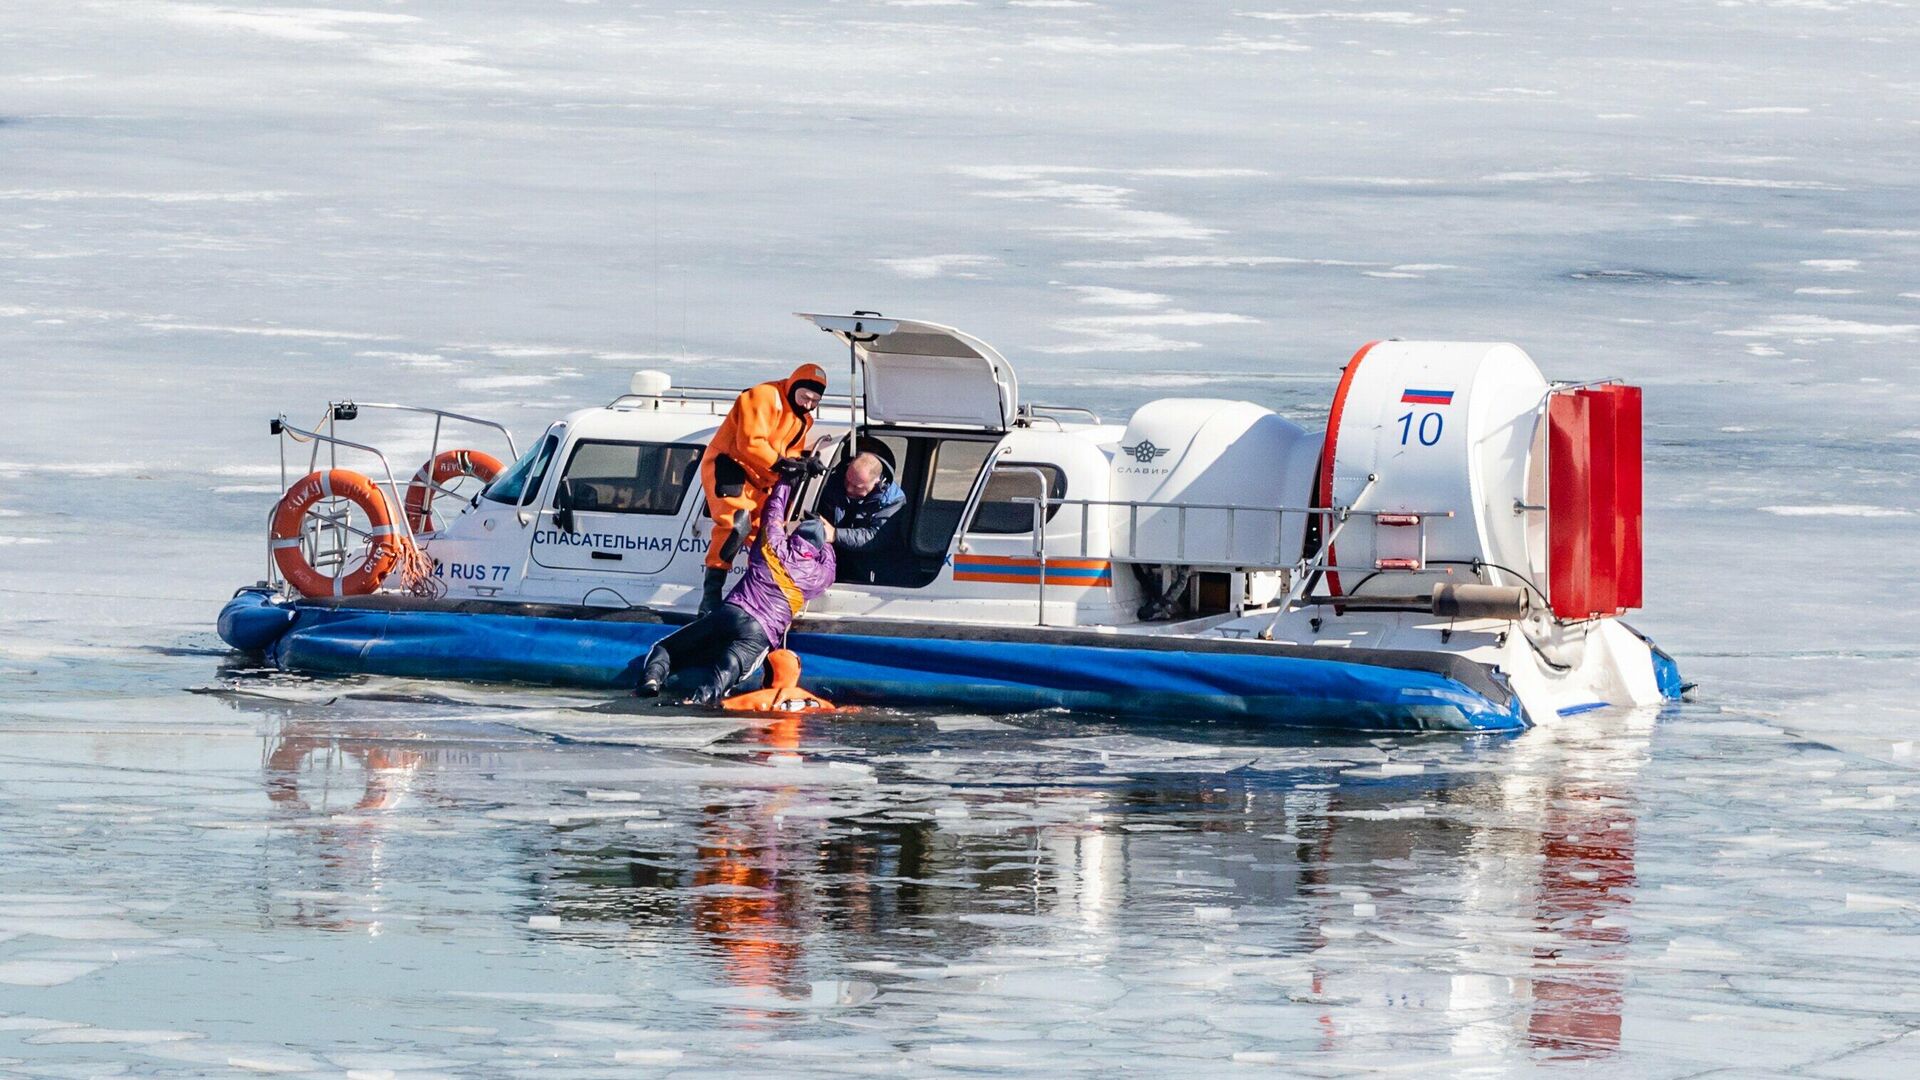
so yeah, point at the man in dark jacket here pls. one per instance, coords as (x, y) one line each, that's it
(863, 509)
(784, 571)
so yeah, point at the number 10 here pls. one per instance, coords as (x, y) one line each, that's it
(1432, 420)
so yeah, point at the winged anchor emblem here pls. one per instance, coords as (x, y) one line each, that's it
(1144, 451)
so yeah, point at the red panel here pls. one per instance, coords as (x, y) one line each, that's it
(1616, 507)
(1626, 485)
(1569, 505)
(1593, 498)
(1603, 513)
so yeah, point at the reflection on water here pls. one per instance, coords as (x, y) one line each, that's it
(334, 787)
(1458, 896)
(386, 771)
(369, 875)
(1585, 882)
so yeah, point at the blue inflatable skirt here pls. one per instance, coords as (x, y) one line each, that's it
(870, 661)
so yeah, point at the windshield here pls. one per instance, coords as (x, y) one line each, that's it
(521, 482)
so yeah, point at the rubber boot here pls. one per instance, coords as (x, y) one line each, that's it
(731, 548)
(711, 589)
(726, 675)
(654, 676)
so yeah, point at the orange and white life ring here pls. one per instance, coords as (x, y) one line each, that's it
(289, 520)
(446, 467)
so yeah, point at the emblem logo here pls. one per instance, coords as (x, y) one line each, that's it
(1144, 451)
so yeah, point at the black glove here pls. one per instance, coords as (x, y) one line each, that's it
(790, 468)
(815, 467)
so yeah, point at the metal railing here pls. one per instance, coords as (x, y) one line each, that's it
(1039, 504)
(1051, 413)
(712, 397)
(440, 417)
(1182, 510)
(1037, 410)
(348, 410)
(1304, 571)
(328, 545)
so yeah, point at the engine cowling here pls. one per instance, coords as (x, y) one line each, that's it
(1439, 427)
(1182, 460)
(1483, 473)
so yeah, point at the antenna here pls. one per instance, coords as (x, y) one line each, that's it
(657, 328)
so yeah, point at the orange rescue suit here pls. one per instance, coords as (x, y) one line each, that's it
(783, 692)
(762, 427)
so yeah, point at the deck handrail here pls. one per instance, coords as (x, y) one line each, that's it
(440, 417)
(712, 395)
(1039, 504)
(1303, 571)
(1134, 506)
(1035, 409)
(396, 502)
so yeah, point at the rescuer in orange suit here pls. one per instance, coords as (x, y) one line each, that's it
(761, 440)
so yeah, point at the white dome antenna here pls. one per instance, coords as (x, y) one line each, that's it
(650, 383)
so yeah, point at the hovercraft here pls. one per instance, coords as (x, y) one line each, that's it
(1453, 552)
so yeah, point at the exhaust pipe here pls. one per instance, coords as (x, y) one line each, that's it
(1481, 601)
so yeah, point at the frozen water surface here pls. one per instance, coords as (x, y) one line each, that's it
(211, 213)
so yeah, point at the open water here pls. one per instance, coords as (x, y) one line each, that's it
(210, 214)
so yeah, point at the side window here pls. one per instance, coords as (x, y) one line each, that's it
(1011, 480)
(956, 463)
(629, 478)
(513, 487)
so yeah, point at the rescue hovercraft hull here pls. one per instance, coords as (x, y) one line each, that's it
(878, 661)
(1455, 551)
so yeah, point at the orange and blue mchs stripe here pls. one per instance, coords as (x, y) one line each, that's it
(1089, 573)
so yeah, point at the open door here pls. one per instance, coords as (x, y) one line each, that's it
(921, 374)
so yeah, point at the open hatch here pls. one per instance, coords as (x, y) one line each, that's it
(924, 375)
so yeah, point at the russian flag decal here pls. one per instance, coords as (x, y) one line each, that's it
(1427, 397)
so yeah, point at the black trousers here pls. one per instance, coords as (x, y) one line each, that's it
(726, 641)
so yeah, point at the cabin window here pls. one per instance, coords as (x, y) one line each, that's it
(521, 482)
(955, 466)
(629, 478)
(999, 513)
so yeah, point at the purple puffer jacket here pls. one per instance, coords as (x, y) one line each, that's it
(783, 572)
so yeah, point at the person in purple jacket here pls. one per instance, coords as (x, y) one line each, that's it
(784, 571)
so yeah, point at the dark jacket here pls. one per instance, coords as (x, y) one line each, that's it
(867, 528)
(783, 572)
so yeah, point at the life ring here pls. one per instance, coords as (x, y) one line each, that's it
(446, 466)
(289, 520)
